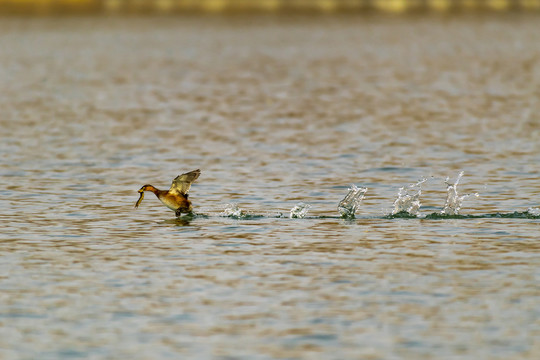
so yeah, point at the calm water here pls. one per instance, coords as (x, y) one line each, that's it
(274, 111)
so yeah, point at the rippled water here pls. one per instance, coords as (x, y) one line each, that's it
(275, 112)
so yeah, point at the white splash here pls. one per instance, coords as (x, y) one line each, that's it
(348, 206)
(534, 211)
(453, 200)
(299, 211)
(407, 202)
(232, 210)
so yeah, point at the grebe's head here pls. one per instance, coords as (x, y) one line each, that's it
(146, 188)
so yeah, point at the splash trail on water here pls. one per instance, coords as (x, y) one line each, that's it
(406, 205)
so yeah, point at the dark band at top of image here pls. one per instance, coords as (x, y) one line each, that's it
(263, 6)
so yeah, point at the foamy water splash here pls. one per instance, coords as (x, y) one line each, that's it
(348, 206)
(407, 202)
(232, 210)
(453, 200)
(299, 211)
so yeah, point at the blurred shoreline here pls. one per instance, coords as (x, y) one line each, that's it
(172, 7)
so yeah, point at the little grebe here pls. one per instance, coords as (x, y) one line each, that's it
(176, 198)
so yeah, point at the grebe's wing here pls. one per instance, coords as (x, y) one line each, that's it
(182, 183)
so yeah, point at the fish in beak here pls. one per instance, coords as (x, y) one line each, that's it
(141, 197)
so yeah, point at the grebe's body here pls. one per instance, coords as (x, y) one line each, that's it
(176, 198)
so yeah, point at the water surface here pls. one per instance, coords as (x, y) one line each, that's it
(274, 111)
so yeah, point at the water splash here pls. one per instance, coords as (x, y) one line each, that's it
(232, 210)
(299, 211)
(533, 211)
(348, 206)
(453, 200)
(407, 202)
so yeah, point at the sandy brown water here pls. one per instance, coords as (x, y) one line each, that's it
(274, 111)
